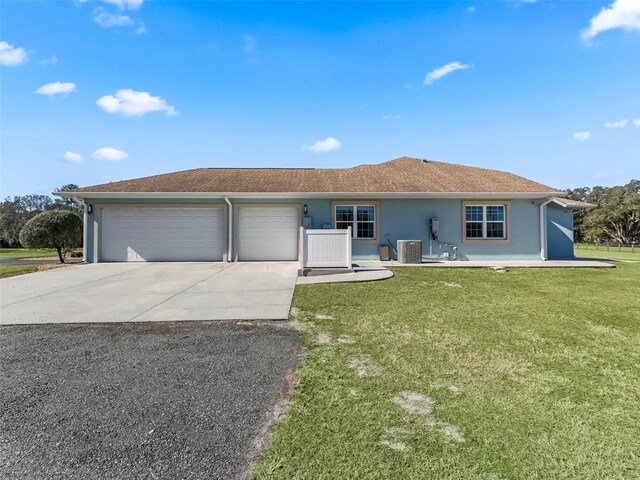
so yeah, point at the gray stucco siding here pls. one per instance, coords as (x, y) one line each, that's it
(559, 233)
(404, 219)
(409, 219)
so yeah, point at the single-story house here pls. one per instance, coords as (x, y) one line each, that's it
(254, 214)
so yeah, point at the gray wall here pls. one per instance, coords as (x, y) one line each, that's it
(409, 219)
(559, 232)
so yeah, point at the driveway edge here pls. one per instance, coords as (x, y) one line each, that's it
(282, 406)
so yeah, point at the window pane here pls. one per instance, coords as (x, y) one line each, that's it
(365, 230)
(473, 213)
(495, 230)
(344, 213)
(474, 229)
(343, 225)
(366, 213)
(495, 213)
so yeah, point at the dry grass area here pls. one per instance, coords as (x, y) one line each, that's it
(466, 373)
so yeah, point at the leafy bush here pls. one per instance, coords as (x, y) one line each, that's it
(59, 229)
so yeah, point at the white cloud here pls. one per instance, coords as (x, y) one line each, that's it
(321, 146)
(52, 60)
(142, 28)
(11, 56)
(623, 14)
(56, 88)
(618, 124)
(125, 4)
(109, 153)
(471, 9)
(390, 117)
(438, 73)
(131, 103)
(72, 157)
(250, 43)
(108, 20)
(636, 122)
(582, 136)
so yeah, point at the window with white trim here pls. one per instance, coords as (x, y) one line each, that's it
(361, 219)
(485, 222)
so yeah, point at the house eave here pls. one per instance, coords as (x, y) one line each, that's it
(287, 195)
(572, 205)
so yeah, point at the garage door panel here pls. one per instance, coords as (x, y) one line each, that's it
(268, 233)
(162, 234)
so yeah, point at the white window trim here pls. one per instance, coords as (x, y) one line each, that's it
(506, 238)
(354, 223)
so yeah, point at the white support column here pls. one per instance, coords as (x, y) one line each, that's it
(85, 218)
(543, 229)
(229, 230)
(349, 252)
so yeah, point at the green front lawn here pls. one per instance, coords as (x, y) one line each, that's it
(624, 256)
(26, 253)
(13, 270)
(466, 373)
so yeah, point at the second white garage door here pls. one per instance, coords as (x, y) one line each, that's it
(159, 234)
(268, 233)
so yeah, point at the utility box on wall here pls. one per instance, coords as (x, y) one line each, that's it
(410, 251)
(306, 221)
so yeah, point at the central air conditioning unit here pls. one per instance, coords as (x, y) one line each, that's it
(410, 251)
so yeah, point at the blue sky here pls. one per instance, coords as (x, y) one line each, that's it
(527, 87)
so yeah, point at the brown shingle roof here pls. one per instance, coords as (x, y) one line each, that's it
(405, 174)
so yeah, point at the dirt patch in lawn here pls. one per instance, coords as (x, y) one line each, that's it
(364, 366)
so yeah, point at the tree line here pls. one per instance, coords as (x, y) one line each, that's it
(17, 211)
(615, 218)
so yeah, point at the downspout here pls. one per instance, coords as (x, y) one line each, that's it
(229, 229)
(543, 230)
(84, 227)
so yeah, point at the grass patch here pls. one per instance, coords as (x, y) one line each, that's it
(622, 256)
(532, 373)
(12, 270)
(17, 253)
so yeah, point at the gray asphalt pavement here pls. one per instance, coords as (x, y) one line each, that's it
(153, 400)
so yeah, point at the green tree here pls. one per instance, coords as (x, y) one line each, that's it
(616, 216)
(16, 211)
(59, 229)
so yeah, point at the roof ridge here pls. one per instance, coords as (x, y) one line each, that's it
(402, 174)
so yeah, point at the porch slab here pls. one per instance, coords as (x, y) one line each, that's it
(573, 263)
(360, 274)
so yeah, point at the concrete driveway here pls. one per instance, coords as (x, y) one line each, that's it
(149, 292)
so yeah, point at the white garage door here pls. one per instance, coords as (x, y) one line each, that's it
(162, 234)
(268, 233)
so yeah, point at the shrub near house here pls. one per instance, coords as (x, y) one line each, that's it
(61, 229)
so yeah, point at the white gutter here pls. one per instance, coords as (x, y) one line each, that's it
(543, 230)
(229, 229)
(331, 195)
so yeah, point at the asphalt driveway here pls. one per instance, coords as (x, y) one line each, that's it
(147, 292)
(139, 400)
